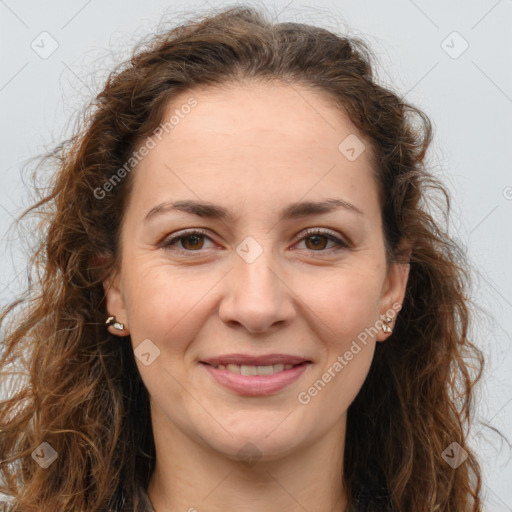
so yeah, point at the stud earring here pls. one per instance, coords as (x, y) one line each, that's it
(111, 321)
(385, 326)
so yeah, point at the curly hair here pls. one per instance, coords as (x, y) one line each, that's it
(83, 394)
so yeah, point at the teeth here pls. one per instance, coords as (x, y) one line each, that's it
(263, 370)
(255, 370)
(249, 370)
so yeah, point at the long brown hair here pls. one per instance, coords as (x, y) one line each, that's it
(84, 396)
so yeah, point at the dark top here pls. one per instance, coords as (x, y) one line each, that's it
(365, 501)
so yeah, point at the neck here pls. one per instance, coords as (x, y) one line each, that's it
(192, 477)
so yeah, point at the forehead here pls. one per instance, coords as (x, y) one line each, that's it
(277, 116)
(260, 142)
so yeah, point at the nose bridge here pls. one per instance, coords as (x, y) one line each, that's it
(256, 296)
(254, 264)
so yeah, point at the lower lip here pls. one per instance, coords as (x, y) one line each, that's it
(256, 385)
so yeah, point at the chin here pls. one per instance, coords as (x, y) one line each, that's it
(257, 442)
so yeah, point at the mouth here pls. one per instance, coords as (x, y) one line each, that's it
(254, 380)
(247, 370)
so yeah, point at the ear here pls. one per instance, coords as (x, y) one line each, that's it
(395, 284)
(116, 304)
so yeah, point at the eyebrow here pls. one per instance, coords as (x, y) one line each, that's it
(212, 211)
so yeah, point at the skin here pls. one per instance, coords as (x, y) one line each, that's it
(252, 149)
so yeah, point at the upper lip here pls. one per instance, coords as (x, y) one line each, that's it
(264, 360)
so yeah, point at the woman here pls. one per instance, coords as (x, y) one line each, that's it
(245, 301)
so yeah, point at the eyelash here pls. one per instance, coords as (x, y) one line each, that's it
(169, 242)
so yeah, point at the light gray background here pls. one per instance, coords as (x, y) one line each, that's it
(468, 97)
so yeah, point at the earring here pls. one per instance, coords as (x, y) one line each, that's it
(111, 321)
(385, 326)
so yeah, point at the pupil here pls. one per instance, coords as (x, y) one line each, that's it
(196, 237)
(317, 243)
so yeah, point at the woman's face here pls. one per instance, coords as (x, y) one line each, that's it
(254, 282)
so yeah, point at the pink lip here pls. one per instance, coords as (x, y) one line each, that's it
(256, 385)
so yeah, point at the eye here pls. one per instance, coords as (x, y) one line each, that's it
(315, 236)
(190, 241)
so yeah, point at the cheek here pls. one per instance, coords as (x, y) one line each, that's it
(164, 306)
(345, 300)
(348, 307)
(347, 310)
(163, 303)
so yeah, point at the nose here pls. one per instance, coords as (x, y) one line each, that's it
(256, 296)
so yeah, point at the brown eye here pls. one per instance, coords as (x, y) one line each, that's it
(191, 242)
(317, 242)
